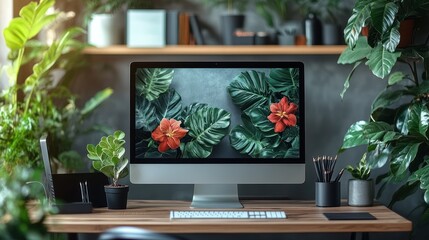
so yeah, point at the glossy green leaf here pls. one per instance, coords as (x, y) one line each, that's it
(379, 156)
(192, 108)
(167, 105)
(358, 19)
(207, 127)
(381, 61)
(403, 192)
(285, 81)
(96, 100)
(51, 56)
(403, 153)
(396, 77)
(347, 82)
(353, 55)
(250, 90)
(418, 121)
(386, 98)
(154, 153)
(259, 117)
(402, 121)
(32, 18)
(247, 139)
(152, 82)
(383, 14)
(391, 38)
(355, 136)
(145, 117)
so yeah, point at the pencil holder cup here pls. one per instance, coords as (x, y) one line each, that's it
(328, 194)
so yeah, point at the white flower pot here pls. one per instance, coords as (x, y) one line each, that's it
(105, 30)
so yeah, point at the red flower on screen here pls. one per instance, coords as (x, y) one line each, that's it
(283, 114)
(168, 134)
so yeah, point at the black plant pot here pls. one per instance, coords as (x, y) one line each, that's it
(116, 196)
(230, 23)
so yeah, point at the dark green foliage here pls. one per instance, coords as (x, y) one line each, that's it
(362, 171)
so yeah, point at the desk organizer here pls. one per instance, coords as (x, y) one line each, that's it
(328, 194)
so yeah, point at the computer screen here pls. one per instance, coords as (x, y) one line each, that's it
(217, 124)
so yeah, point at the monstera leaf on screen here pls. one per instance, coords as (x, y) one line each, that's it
(154, 153)
(250, 90)
(285, 81)
(145, 119)
(150, 113)
(207, 126)
(284, 150)
(188, 110)
(248, 139)
(259, 118)
(152, 82)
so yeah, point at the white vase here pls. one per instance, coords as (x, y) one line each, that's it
(105, 30)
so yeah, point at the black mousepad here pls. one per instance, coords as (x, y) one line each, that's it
(350, 216)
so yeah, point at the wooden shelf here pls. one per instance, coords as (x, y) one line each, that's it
(218, 50)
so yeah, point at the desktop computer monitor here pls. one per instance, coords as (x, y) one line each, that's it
(216, 125)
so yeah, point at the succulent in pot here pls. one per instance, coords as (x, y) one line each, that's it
(361, 187)
(108, 158)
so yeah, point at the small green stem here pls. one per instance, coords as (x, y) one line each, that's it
(14, 80)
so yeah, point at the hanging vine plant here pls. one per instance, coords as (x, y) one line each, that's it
(269, 106)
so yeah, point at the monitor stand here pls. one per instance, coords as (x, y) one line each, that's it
(216, 196)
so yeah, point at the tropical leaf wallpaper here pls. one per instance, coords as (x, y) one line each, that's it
(260, 121)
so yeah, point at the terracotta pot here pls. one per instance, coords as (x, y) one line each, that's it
(406, 29)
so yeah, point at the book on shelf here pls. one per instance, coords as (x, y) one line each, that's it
(146, 28)
(183, 28)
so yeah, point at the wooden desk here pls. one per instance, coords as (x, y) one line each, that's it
(303, 217)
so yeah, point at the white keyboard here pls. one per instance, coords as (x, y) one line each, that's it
(221, 214)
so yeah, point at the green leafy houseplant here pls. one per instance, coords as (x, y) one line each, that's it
(34, 104)
(362, 171)
(274, 12)
(396, 132)
(108, 156)
(16, 188)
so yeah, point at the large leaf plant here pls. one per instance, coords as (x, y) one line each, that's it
(37, 103)
(396, 133)
(206, 126)
(254, 92)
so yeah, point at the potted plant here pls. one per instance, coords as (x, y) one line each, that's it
(104, 21)
(396, 132)
(108, 157)
(35, 102)
(361, 187)
(232, 20)
(275, 14)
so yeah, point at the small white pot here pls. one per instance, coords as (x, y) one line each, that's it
(105, 30)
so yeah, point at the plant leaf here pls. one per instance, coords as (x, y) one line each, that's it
(361, 12)
(355, 136)
(247, 139)
(403, 154)
(381, 61)
(359, 52)
(152, 82)
(207, 127)
(95, 101)
(145, 117)
(32, 18)
(395, 77)
(168, 105)
(249, 90)
(259, 118)
(418, 121)
(386, 98)
(347, 82)
(285, 81)
(391, 38)
(188, 110)
(403, 192)
(383, 14)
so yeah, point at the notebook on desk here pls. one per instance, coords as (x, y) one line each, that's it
(75, 192)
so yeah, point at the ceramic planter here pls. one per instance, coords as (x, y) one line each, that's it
(361, 192)
(116, 196)
(104, 30)
(230, 23)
